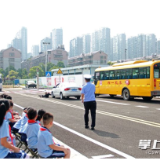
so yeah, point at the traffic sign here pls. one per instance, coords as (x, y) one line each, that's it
(48, 74)
(59, 71)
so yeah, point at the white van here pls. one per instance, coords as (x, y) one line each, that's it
(0, 84)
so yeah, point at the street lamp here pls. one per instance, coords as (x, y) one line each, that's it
(46, 43)
(125, 54)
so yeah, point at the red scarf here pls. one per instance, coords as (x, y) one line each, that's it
(31, 121)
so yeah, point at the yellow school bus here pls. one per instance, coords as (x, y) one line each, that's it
(130, 79)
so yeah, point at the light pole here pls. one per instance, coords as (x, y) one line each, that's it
(46, 43)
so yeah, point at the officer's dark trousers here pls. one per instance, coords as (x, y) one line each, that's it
(92, 107)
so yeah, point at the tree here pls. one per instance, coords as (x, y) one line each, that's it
(54, 67)
(42, 66)
(60, 64)
(19, 73)
(49, 66)
(110, 63)
(24, 74)
(12, 74)
(33, 72)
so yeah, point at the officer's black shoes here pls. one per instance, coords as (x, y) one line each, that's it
(92, 128)
(86, 127)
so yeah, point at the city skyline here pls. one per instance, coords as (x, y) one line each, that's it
(119, 16)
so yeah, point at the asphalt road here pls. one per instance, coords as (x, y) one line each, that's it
(120, 125)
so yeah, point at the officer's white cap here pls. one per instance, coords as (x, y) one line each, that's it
(87, 76)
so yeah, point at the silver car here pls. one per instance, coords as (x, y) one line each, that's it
(66, 90)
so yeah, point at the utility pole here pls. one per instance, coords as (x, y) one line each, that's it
(37, 78)
(46, 43)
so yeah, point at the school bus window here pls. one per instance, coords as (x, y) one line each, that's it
(123, 74)
(97, 76)
(128, 74)
(107, 75)
(111, 75)
(148, 72)
(102, 76)
(135, 73)
(117, 74)
(157, 70)
(142, 72)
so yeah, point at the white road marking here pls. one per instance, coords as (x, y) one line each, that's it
(158, 108)
(103, 156)
(113, 102)
(74, 153)
(142, 106)
(92, 140)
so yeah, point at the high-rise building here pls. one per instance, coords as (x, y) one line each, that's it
(141, 46)
(104, 40)
(57, 38)
(76, 47)
(150, 44)
(111, 50)
(119, 47)
(35, 50)
(86, 43)
(17, 43)
(158, 47)
(95, 41)
(46, 46)
(132, 48)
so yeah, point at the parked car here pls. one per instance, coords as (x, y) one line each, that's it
(66, 90)
(31, 84)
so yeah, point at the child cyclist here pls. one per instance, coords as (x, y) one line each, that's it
(46, 146)
(5, 146)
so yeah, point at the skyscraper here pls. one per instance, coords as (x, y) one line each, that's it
(57, 38)
(86, 43)
(150, 44)
(76, 47)
(132, 48)
(119, 46)
(45, 47)
(141, 46)
(158, 47)
(17, 43)
(95, 41)
(35, 50)
(104, 40)
(24, 42)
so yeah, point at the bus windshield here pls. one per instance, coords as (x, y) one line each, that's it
(157, 70)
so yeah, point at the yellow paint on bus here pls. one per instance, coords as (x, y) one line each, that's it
(137, 78)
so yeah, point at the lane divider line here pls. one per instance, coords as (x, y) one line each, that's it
(142, 106)
(149, 123)
(113, 102)
(90, 139)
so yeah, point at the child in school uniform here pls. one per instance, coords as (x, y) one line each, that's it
(41, 112)
(32, 129)
(9, 116)
(23, 127)
(17, 125)
(5, 146)
(46, 146)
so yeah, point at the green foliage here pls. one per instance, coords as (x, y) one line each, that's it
(60, 64)
(110, 63)
(33, 72)
(12, 74)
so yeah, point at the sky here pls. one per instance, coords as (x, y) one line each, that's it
(76, 18)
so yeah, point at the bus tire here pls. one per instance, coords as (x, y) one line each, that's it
(147, 98)
(96, 95)
(126, 94)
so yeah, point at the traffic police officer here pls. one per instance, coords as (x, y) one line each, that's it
(88, 98)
